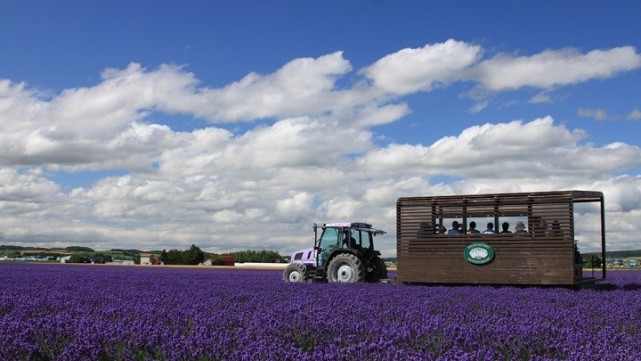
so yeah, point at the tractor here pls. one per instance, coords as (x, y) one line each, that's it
(344, 253)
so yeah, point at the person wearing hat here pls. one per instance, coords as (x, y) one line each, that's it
(520, 227)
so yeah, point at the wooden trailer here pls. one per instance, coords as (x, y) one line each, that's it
(543, 252)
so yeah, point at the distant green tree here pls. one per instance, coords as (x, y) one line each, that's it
(592, 261)
(175, 256)
(194, 255)
(164, 257)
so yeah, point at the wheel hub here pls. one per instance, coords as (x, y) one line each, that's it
(295, 276)
(345, 273)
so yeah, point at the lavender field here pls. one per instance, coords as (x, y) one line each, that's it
(67, 312)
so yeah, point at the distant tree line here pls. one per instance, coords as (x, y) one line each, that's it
(79, 249)
(97, 258)
(262, 256)
(21, 248)
(129, 252)
(192, 256)
(621, 254)
(195, 255)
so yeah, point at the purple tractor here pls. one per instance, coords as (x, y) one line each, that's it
(343, 253)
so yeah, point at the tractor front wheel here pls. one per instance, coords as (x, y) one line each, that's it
(345, 268)
(295, 272)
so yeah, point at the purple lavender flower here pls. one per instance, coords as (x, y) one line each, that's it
(69, 312)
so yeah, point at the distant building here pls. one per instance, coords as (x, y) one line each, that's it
(228, 259)
(148, 259)
(122, 261)
(222, 260)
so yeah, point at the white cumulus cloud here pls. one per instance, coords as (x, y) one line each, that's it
(411, 70)
(553, 68)
(318, 154)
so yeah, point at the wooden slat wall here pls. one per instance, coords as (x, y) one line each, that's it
(543, 256)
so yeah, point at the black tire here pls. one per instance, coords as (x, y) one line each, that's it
(378, 271)
(295, 273)
(345, 268)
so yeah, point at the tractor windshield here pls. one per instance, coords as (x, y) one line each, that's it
(327, 241)
(328, 238)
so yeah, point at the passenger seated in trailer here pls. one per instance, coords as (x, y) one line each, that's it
(424, 230)
(455, 228)
(489, 229)
(442, 229)
(520, 227)
(506, 227)
(539, 227)
(473, 229)
(556, 229)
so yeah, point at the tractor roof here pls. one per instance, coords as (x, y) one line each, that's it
(348, 225)
(354, 225)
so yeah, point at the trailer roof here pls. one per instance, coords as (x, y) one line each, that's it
(573, 195)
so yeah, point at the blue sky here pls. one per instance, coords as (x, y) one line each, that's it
(235, 125)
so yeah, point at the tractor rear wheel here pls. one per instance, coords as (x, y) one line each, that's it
(345, 268)
(378, 271)
(295, 272)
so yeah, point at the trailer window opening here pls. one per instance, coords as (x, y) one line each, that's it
(513, 224)
(448, 226)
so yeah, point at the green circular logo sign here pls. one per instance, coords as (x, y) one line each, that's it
(479, 253)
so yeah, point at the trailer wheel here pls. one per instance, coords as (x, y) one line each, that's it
(345, 268)
(295, 272)
(379, 271)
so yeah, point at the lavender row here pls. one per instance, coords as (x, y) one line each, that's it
(64, 312)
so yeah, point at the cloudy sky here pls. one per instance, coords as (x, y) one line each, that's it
(236, 125)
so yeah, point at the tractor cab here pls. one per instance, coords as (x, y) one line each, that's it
(344, 238)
